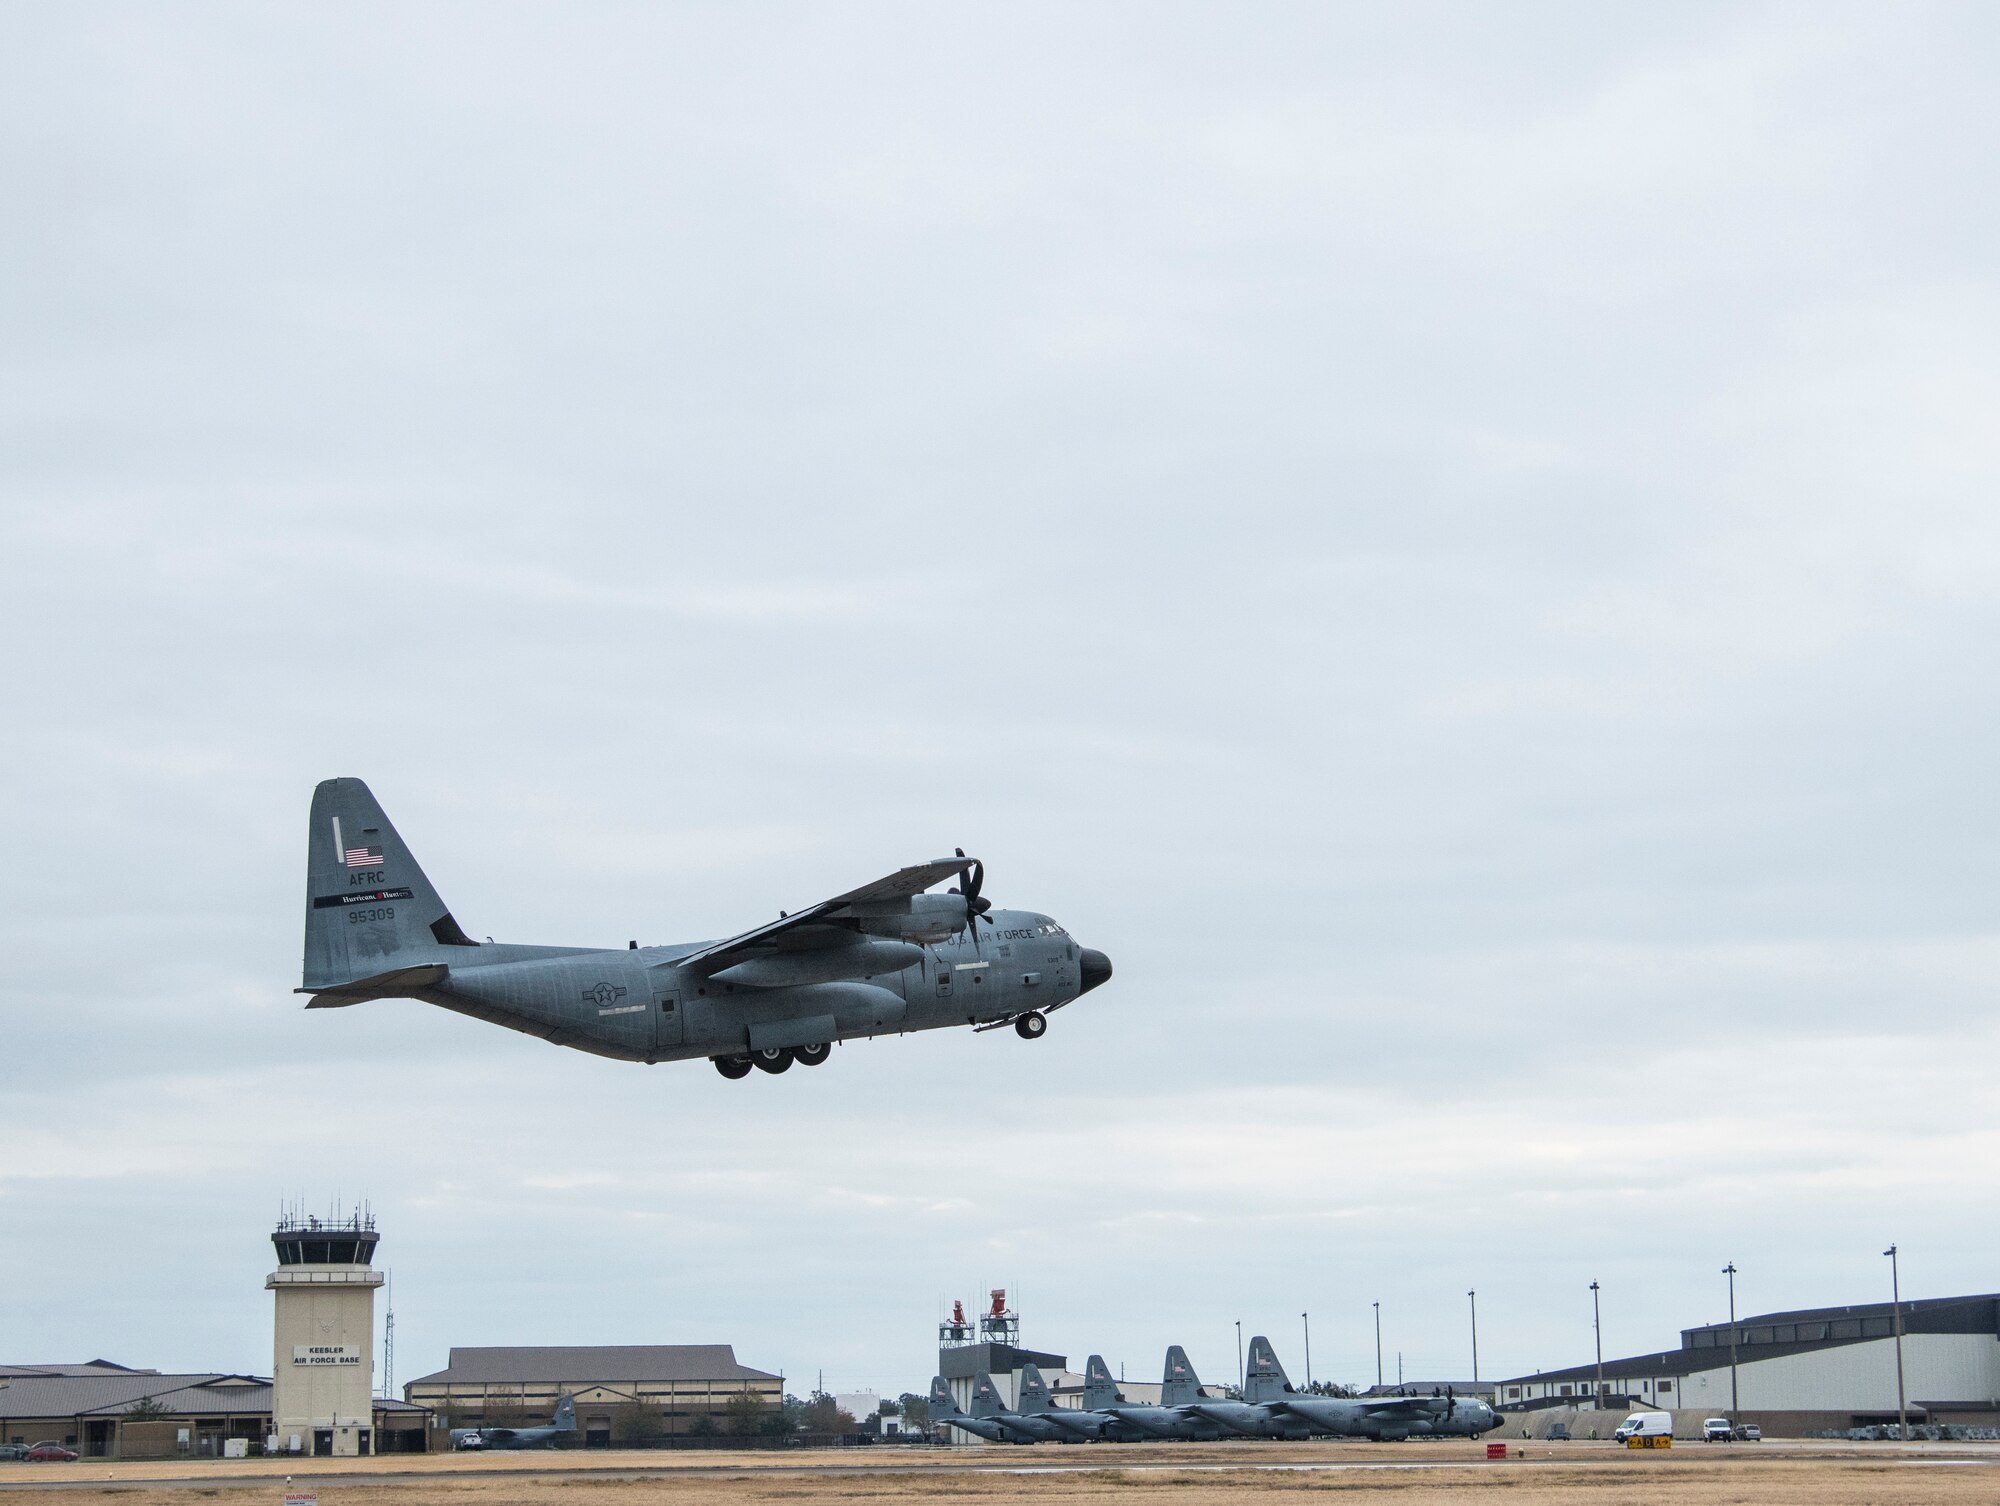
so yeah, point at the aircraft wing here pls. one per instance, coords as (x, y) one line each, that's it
(900, 884)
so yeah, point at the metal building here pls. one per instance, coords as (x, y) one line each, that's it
(635, 1391)
(1795, 1372)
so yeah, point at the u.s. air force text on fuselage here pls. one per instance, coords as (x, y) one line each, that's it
(882, 959)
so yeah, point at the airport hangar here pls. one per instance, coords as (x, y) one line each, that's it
(1800, 1372)
(631, 1390)
(109, 1411)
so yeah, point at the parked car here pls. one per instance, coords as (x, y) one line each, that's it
(1717, 1430)
(13, 1450)
(1749, 1433)
(51, 1453)
(1559, 1432)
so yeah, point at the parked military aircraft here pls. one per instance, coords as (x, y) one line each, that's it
(1384, 1418)
(1072, 1424)
(882, 959)
(1252, 1419)
(991, 1418)
(560, 1428)
(1170, 1419)
(945, 1413)
(1269, 1408)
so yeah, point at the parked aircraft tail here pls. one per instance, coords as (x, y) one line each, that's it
(1179, 1385)
(1264, 1378)
(1034, 1392)
(943, 1405)
(985, 1397)
(565, 1417)
(372, 918)
(1099, 1389)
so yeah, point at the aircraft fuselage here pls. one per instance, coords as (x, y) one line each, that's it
(637, 1005)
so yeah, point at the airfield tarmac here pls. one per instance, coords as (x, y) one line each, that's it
(1424, 1474)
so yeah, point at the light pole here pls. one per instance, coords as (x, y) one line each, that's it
(1306, 1318)
(1378, 1346)
(1597, 1327)
(1473, 1298)
(1730, 1271)
(1239, 1357)
(1896, 1307)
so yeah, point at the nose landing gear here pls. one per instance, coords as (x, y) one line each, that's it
(1031, 1026)
(732, 1067)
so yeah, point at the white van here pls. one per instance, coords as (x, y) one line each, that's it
(1645, 1425)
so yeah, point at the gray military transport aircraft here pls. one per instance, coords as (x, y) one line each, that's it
(879, 960)
(560, 1429)
(1386, 1419)
(989, 1418)
(1180, 1387)
(1269, 1408)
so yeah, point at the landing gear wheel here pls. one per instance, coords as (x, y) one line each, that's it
(732, 1067)
(812, 1056)
(776, 1059)
(1031, 1026)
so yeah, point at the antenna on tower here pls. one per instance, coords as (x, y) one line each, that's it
(389, 1336)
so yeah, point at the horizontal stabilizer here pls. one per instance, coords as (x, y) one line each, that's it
(391, 985)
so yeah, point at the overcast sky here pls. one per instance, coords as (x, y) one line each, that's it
(1456, 543)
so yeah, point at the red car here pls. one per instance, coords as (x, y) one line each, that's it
(51, 1453)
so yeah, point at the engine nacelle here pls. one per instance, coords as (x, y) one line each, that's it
(922, 918)
(857, 959)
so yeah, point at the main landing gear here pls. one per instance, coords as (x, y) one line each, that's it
(773, 1059)
(1031, 1026)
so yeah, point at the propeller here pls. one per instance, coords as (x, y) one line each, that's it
(970, 879)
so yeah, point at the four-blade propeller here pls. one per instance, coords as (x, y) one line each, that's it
(970, 878)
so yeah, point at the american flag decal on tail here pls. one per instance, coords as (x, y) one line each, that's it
(364, 857)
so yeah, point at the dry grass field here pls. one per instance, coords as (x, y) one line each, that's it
(1263, 1475)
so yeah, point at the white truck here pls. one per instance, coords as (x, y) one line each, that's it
(1642, 1429)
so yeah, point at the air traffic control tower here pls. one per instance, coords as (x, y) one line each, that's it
(322, 1361)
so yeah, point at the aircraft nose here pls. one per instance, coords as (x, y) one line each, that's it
(1096, 968)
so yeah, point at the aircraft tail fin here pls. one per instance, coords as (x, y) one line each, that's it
(985, 1397)
(943, 1404)
(565, 1417)
(1034, 1391)
(1263, 1377)
(370, 912)
(1099, 1389)
(1179, 1385)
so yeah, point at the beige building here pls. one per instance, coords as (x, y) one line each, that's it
(109, 1411)
(323, 1336)
(623, 1392)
